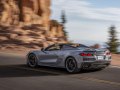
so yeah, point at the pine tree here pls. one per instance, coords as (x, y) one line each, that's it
(113, 41)
(63, 17)
(63, 22)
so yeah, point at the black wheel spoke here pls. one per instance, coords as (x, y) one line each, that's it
(32, 59)
(71, 64)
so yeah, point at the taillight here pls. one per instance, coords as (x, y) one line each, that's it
(82, 54)
(86, 54)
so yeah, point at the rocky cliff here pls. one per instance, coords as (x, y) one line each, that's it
(27, 24)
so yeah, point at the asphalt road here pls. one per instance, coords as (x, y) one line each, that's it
(15, 75)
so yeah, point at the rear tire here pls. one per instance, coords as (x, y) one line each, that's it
(71, 65)
(32, 60)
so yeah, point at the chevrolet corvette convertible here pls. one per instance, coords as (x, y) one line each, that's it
(72, 57)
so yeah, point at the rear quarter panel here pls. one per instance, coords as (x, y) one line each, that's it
(71, 53)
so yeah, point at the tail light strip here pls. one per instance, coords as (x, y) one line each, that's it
(86, 54)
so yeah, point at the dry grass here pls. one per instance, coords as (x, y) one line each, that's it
(116, 59)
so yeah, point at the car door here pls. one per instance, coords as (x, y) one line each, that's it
(49, 56)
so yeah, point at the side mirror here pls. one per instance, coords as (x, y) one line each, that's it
(42, 49)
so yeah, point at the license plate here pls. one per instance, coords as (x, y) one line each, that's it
(100, 57)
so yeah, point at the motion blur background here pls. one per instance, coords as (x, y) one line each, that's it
(26, 25)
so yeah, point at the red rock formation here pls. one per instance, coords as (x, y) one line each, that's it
(27, 23)
(36, 11)
(9, 12)
(30, 11)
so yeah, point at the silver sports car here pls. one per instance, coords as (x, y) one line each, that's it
(72, 57)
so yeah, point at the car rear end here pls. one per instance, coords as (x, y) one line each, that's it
(95, 59)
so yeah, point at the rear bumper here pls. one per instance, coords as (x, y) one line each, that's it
(95, 64)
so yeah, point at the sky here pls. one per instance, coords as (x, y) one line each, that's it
(88, 20)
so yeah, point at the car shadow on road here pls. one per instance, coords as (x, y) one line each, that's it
(7, 71)
(25, 71)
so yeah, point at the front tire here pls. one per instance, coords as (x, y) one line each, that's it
(71, 65)
(32, 60)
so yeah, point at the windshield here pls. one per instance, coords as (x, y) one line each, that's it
(78, 46)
